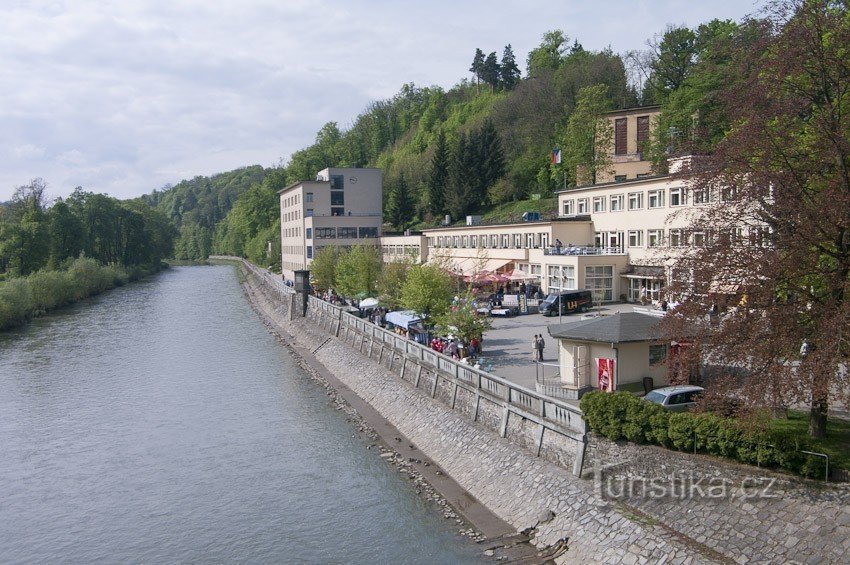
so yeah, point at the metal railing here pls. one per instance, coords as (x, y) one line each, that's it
(551, 413)
(587, 250)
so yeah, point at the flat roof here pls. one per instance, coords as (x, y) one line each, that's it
(569, 219)
(614, 183)
(635, 109)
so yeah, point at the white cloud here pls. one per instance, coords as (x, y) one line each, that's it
(126, 96)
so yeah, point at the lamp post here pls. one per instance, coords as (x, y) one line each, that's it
(560, 291)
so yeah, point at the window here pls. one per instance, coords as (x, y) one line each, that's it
(506, 241)
(656, 198)
(619, 178)
(699, 239)
(617, 202)
(337, 211)
(309, 212)
(654, 238)
(456, 241)
(536, 270)
(657, 354)
(309, 252)
(368, 232)
(494, 241)
(620, 140)
(473, 240)
(337, 198)
(325, 233)
(337, 182)
(636, 238)
(598, 204)
(569, 207)
(582, 206)
(678, 238)
(677, 196)
(600, 280)
(635, 200)
(465, 241)
(346, 233)
(309, 233)
(700, 196)
(308, 197)
(517, 241)
(484, 241)
(642, 133)
(561, 277)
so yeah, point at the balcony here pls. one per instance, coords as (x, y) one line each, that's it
(588, 250)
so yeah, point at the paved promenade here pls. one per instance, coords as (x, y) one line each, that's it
(508, 345)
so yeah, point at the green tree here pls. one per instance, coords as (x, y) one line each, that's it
(463, 320)
(66, 234)
(490, 72)
(548, 55)
(391, 282)
(427, 290)
(508, 70)
(358, 270)
(438, 177)
(674, 57)
(477, 67)
(588, 137)
(323, 267)
(461, 193)
(400, 204)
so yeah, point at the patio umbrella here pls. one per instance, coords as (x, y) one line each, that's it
(368, 302)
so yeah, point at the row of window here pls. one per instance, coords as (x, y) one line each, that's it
(341, 233)
(621, 134)
(293, 200)
(291, 216)
(618, 202)
(292, 232)
(401, 249)
(597, 278)
(492, 241)
(681, 237)
(292, 249)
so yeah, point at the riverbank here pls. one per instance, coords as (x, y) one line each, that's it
(530, 494)
(25, 298)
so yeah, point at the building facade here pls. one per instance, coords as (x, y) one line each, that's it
(342, 207)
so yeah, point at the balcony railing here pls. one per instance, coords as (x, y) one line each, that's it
(573, 250)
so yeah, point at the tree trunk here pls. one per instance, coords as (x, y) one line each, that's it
(817, 419)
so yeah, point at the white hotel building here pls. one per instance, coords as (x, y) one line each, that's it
(617, 236)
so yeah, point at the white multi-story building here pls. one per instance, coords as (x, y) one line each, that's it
(342, 207)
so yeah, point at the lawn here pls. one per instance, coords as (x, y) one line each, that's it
(836, 444)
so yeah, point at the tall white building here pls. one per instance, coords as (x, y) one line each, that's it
(342, 207)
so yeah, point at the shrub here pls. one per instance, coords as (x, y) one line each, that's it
(622, 415)
(15, 303)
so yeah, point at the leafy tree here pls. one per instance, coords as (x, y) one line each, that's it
(461, 194)
(358, 270)
(323, 267)
(548, 55)
(781, 215)
(391, 282)
(588, 137)
(427, 290)
(674, 57)
(463, 320)
(66, 234)
(508, 70)
(490, 72)
(400, 204)
(491, 158)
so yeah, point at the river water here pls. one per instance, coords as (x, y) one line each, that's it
(160, 422)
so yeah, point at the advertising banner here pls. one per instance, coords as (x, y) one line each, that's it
(605, 374)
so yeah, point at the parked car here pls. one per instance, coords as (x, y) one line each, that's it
(675, 398)
(568, 301)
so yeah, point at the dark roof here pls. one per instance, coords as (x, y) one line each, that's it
(618, 328)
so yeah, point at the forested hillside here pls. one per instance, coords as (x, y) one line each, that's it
(485, 142)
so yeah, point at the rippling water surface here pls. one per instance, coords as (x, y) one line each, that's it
(161, 422)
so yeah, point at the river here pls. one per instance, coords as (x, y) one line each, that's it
(160, 422)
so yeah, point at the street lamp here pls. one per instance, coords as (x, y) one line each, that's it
(560, 296)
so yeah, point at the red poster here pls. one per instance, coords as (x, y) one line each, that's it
(605, 374)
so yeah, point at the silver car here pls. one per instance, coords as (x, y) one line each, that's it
(675, 398)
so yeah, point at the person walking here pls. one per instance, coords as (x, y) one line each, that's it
(534, 347)
(540, 345)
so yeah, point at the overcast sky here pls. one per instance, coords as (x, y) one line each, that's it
(123, 97)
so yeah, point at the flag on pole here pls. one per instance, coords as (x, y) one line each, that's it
(556, 156)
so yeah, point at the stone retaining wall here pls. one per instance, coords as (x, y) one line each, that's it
(775, 520)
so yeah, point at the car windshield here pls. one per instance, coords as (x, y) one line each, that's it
(551, 299)
(655, 397)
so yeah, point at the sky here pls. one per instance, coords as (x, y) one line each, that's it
(124, 97)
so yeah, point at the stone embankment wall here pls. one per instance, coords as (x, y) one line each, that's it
(635, 504)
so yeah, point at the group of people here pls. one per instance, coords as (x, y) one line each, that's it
(537, 345)
(455, 348)
(559, 248)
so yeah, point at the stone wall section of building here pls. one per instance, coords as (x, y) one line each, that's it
(750, 515)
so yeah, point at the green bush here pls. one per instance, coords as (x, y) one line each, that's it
(15, 303)
(621, 415)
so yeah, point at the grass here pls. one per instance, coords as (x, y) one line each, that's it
(836, 444)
